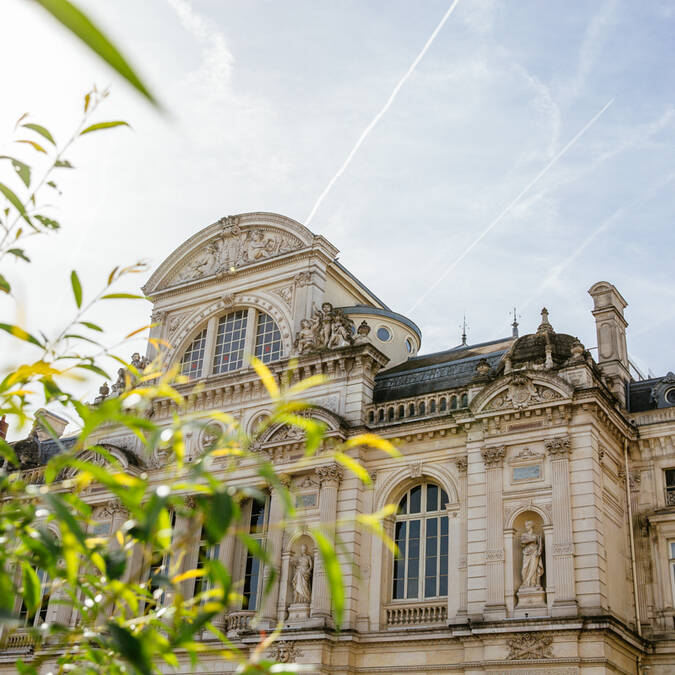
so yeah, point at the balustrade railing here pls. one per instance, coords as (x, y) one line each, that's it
(415, 615)
(239, 620)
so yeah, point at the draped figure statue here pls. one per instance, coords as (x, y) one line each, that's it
(533, 568)
(302, 576)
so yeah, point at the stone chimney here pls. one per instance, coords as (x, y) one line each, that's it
(48, 424)
(610, 327)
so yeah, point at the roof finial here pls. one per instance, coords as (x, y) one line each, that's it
(464, 327)
(515, 323)
(544, 325)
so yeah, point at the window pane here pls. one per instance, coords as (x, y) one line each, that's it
(413, 559)
(443, 563)
(399, 562)
(672, 549)
(432, 498)
(193, 359)
(267, 339)
(230, 338)
(431, 558)
(251, 582)
(444, 499)
(403, 505)
(416, 499)
(670, 477)
(257, 517)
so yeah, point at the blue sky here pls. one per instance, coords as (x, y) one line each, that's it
(266, 99)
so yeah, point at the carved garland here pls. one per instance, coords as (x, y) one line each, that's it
(528, 646)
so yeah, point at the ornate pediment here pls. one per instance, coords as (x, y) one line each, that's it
(234, 247)
(521, 391)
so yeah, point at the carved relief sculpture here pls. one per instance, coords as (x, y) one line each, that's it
(530, 646)
(328, 328)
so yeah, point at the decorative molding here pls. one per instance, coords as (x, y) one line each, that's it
(285, 293)
(493, 457)
(528, 646)
(415, 469)
(565, 548)
(284, 651)
(329, 474)
(558, 448)
(494, 555)
(526, 455)
(302, 279)
(112, 508)
(462, 464)
(520, 393)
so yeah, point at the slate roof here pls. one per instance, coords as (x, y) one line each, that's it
(440, 371)
(650, 394)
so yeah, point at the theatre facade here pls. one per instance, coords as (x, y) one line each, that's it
(535, 491)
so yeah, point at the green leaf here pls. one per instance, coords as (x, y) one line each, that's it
(131, 648)
(4, 284)
(39, 129)
(94, 369)
(77, 288)
(19, 253)
(103, 125)
(217, 510)
(63, 163)
(35, 145)
(123, 296)
(93, 326)
(53, 185)
(16, 203)
(31, 587)
(333, 574)
(7, 451)
(79, 24)
(20, 333)
(49, 223)
(22, 170)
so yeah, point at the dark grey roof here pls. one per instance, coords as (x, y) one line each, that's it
(358, 282)
(450, 369)
(51, 447)
(651, 394)
(364, 309)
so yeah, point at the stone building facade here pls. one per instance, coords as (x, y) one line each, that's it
(536, 487)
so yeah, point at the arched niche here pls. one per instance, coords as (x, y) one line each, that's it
(300, 556)
(523, 597)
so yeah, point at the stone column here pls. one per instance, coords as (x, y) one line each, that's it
(461, 541)
(329, 477)
(565, 603)
(275, 535)
(493, 459)
(641, 554)
(226, 557)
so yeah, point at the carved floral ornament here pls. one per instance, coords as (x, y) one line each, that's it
(493, 457)
(235, 247)
(331, 473)
(558, 448)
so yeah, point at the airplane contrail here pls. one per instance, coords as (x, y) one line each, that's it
(525, 190)
(379, 115)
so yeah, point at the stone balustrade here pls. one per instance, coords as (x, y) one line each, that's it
(18, 639)
(429, 405)
(415, 615)
(239, 621)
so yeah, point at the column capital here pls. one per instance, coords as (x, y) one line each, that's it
(558, 448)
(493, 457)
(329, 474)
(113, 507)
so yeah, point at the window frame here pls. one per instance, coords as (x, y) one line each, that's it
(441, 516)
(42, 612)
(671, 567)
(252, 317)
(261, 537)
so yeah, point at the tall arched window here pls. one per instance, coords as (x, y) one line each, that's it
(193, 359)
(252, 571)
(39, 616)
(267, 339)
(226, 342)
(421, 534)
(230, 340)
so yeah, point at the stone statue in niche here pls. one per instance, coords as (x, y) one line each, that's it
(533, 568)
(531, 593)
(301, 582)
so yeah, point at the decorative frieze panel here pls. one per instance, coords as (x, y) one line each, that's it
(520, 393)
(526, 646)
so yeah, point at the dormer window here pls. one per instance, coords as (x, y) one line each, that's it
(223, 345)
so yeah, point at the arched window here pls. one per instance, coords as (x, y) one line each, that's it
(267, 339)
(444, 404)
(230, 339)
(193, 359)
(421, 534)
(453, 403)
(252, 571)
(465, 400)
(227, 341)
